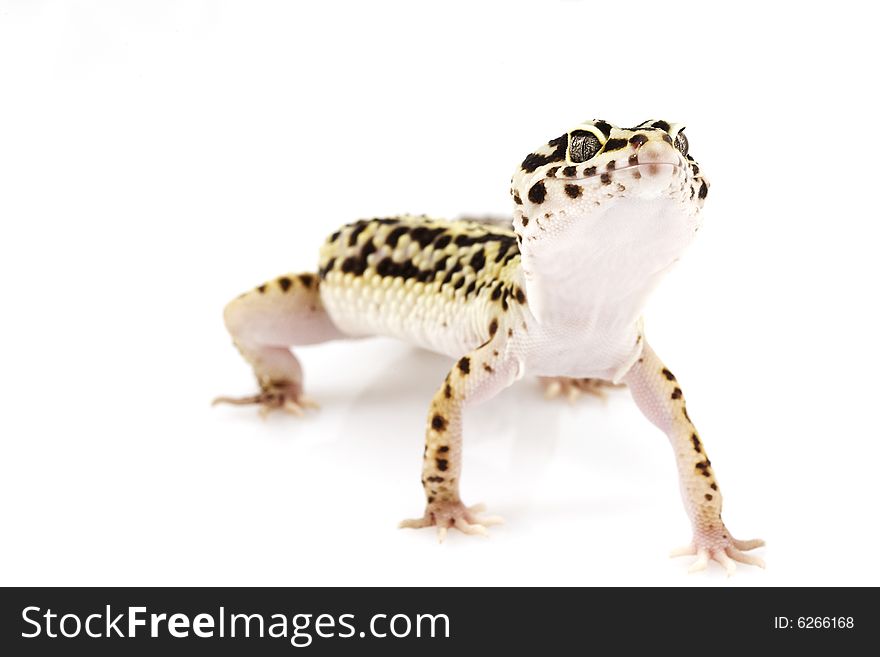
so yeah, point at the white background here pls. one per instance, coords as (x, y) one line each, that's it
(158, 158)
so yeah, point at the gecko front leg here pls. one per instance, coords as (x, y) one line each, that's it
(658, 395)
(479, 375)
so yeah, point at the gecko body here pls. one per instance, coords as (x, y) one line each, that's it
(601, 213)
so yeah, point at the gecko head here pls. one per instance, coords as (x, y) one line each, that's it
(597, 174)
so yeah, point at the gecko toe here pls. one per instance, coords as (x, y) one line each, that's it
(749, 559)
(745, 546)
(701, 562)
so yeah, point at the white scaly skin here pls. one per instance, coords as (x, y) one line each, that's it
(601, 213)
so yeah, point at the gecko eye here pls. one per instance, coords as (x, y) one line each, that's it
(681, 143)
(584, 145)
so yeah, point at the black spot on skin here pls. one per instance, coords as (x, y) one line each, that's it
(614, 145)
(538, 192)
(713, 486)
(569, 171)
(442, 242)
(516, 198)
(669, 375)
(605, 178)
(708, 497)
(478, 260)
(395, 235)
(307, 279)
(334, 237)
(704, 190)
(684, 411)
(356, 231)
(611, 166)
(551, 172)
(695, 439)
(435, 479)
(525, 221)
(573, 191)
(438, 422)
(424, 235)
(284, 282)
(510, 333)
(354, 266)
(442, 464)
(322, 272)
(386, 267)
(470, 288)
(589, 171)
(637, 141)
(430, 499)
(488, 368)
(676, 394)
(467, 240)
(493, 326)
(447, 391)
(459, 282)
(603, 126)
(703, 467)
(633, 159)
(535, 160)
(443, 448)
(496, 293)
(661, 125)
(520, 295)
(262, 289)
(368, 248)
(464, 365)
(667, 139)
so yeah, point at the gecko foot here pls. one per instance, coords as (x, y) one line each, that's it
(720, 546)
(572, 389)
(444, 515)
(284, 396)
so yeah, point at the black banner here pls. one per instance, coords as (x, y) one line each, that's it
(319, 621)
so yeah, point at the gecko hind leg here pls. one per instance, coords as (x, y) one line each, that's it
(264, 323)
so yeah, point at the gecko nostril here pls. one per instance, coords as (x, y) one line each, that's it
(637, 141)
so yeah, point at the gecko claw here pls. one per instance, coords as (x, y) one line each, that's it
(447, 515)
(719, 546)
(283, 396)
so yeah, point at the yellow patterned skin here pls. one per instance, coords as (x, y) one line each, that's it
(600, 214)
(437, 284)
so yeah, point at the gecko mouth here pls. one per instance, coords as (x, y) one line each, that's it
(644, 168)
